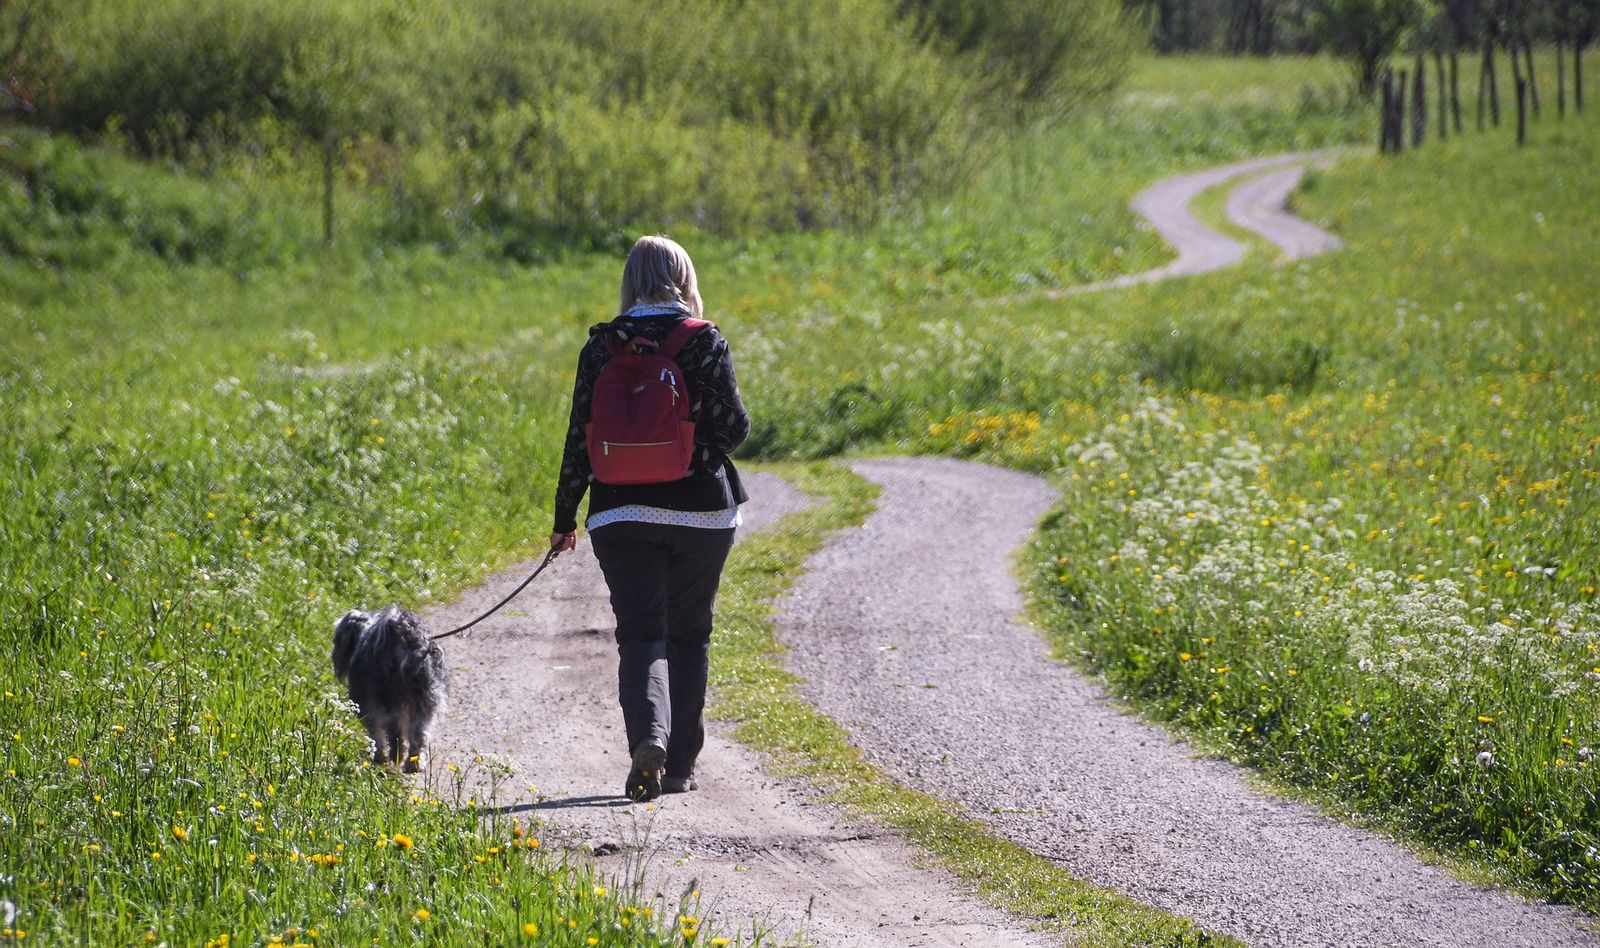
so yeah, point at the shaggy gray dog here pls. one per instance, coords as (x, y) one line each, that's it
(397, 680)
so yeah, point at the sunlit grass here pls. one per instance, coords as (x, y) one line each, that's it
(203, 465)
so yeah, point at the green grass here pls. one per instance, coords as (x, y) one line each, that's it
(1414, 415)
(203, 464)
(761, 697)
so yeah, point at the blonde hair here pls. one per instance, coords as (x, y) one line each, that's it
(659, 271)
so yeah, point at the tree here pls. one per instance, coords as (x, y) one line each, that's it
(1576, 22)
(329, 88)
(1456, 29)
(1031, 57)
(1368, 32)
(29, 65)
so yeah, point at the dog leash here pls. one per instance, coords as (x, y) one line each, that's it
(548, 559)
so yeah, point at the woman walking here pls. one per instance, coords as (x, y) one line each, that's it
(661, 539)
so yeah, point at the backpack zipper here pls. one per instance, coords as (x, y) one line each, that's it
(605, 446)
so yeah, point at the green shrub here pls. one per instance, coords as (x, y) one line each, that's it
(65, 205)
(531, 124)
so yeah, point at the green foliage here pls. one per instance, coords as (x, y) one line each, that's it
(1368, 31)
(63, 205)
(1032, 56)
(29, 66)
(545, 123)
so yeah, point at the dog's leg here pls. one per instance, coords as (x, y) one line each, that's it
(416, 738)
(397, 744)
(375, 733)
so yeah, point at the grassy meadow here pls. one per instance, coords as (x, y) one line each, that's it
(216, 437)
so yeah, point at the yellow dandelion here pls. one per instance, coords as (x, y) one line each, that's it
(179, 833)
(422, 914)
(531, 930)
(402, 840)
(74, 762)
(1485, 718)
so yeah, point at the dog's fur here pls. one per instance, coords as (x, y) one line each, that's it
(397, 680)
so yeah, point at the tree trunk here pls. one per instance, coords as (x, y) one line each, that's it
(1444, 95)
(1522, 111)
(1561, 78)
(1483, 90)
(1419, 103)
(1385, 93)
(1397, 132)
(1533, 80)
(1455, 89)
(1521, 87)
(327, 190)
(1494, 84)
(1577, 77)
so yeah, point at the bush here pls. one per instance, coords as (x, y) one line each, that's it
(547, 121)
(64, 205)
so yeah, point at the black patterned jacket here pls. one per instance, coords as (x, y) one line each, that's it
(721, 425)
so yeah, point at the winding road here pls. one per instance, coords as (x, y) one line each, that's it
(1259, 205)
(906, 633)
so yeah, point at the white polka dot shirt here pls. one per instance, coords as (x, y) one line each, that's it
(640, 513)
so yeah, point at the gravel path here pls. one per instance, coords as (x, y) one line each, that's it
(1258, 205)
(535, 685)
(906, 632)
(1261, 204)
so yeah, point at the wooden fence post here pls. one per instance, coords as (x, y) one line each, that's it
(1419, 103)
(1455, 88)
(1533, 81)
(1561, 77)
(1444, 95)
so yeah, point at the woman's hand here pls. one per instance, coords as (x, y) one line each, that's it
(563, 541)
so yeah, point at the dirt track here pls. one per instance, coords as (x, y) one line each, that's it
(1259, 204)
(906, 631)
(536, 686)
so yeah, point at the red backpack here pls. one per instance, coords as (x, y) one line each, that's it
(640, 430)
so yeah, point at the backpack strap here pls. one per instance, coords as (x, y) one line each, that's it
(680, 336)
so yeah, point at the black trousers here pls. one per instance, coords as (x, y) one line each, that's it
(663, 581)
